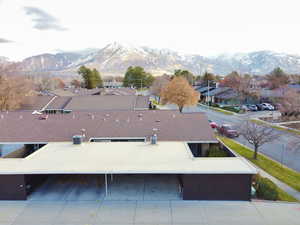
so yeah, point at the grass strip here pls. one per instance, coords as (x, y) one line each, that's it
(282, 173)
(263, 123)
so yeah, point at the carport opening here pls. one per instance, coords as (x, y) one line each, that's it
(19, 150)
(210, 150)
(93, 187)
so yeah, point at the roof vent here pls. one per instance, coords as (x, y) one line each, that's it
(77, 139)
(153, 139)
(43, 117)
(83, 132)
(140, 115)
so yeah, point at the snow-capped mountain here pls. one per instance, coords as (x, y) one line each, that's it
(115, 58)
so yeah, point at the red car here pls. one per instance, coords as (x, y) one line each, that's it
(228, 131)
(213, 124)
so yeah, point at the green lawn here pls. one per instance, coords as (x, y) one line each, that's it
(284, 174)
(226, 112)
(260, 122)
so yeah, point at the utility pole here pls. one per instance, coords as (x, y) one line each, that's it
(208, 97)
(282, 154)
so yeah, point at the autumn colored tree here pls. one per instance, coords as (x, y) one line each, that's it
(240, 83)
(158, 84)
(13, 91)
(178, 91)
(76, 83)
(277, 78)
(60, 83)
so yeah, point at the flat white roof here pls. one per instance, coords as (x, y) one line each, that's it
(122, 157)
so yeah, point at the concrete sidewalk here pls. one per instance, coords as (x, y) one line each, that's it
(148, 212)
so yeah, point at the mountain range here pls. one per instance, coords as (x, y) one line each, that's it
(115, 58)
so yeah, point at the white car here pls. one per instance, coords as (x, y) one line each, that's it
(267, 106)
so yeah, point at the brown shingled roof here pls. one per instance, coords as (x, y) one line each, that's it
(59, 103)
(170, 125)
(142, 102)
(35, 102)
(107, 102)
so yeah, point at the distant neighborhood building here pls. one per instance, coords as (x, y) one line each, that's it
(56, 104)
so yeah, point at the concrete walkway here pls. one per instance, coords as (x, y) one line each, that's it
(148, 212)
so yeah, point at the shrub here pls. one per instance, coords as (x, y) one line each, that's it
(231, 108)
(215, 151)
(265, 188)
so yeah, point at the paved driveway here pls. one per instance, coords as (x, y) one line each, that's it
(147, 212)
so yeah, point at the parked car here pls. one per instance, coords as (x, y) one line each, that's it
(268, 106)
(252, 107)
(228, 131)
(260, 107)
(213, 124)
(245, 108)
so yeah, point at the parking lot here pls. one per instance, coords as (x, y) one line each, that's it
(120, 187)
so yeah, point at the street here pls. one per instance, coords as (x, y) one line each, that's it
(277, 149)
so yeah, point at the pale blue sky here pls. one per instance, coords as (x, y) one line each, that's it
(206, 27)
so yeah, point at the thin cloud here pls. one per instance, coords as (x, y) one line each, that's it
(3, 40)
(43, 20)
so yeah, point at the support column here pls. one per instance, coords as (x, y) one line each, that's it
(106, 186)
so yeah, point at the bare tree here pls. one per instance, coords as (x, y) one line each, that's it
(13, 91)
(47, 83)
(257, 135)
(290, 103)
(158, 84)
(242, 84)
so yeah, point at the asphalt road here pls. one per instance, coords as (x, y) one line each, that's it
(278, 149)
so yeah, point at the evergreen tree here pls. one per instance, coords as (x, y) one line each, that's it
(137, 77)
(186, 74)
(91, 78)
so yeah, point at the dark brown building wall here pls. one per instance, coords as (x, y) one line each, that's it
(34, 181)
(12, 187)
(216, 187)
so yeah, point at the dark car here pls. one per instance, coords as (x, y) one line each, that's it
(228, 131)
(260, 107)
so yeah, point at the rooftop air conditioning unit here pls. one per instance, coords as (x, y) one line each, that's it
(77, 139)
(153, 139)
